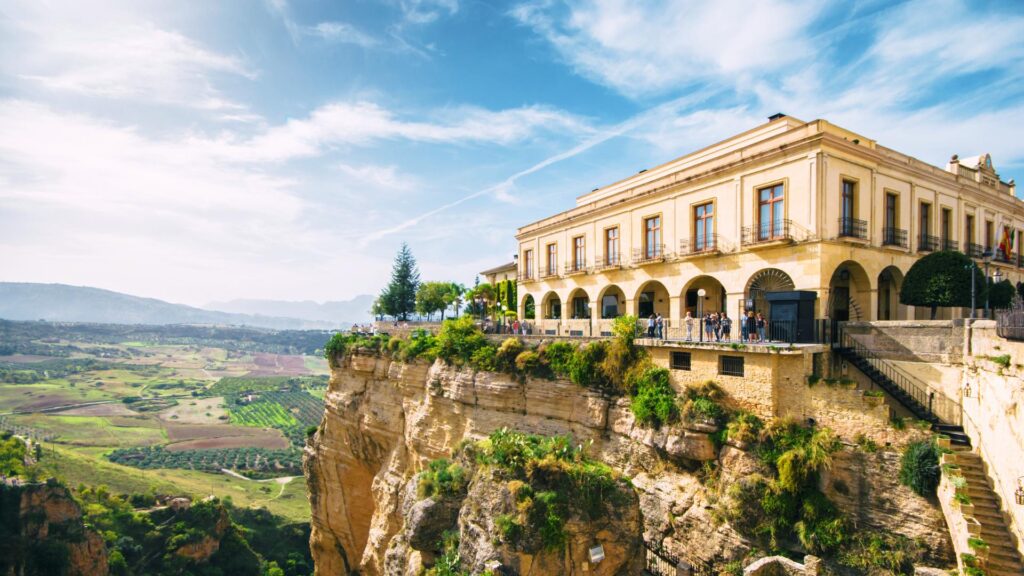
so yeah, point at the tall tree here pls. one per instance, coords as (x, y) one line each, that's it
(433, 297)
(942, 279)
(399, 297)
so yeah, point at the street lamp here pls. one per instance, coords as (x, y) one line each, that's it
(700, 311)
(986, 257)
(974, 307)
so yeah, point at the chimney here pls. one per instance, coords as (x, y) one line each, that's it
(776, 116)
(954, 165)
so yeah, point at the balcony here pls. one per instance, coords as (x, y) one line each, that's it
(776, 231)
(853, 228)
(551, 271)
(894, 237)
(974, 250)
(649, 255)
(573, 268)
(927, 243)
(948, 244)
(526, 276)
(707, 244)
(610, 263)
(1000, 256)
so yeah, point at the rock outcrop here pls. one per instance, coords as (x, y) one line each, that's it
(385, 420)
(43, 533)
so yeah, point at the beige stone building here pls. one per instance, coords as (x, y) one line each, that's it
(788, 205)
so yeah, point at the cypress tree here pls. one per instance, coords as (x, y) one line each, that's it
(399, 297)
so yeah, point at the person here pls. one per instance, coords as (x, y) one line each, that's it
(689, 325)
(762, 326)
(751, 326)
(726, 327)
(709, 327)
(515, 327)
(650, 326)
(717, 323)
(659, 327)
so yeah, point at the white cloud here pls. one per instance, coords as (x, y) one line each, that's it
(648, 47)
(115, 54)
(379, 177)
(344, 33)
(427, 11)
(365, 123)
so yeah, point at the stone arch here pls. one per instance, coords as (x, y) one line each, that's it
(578, 305)
(849, 293)
(651, 298)
(714, 297)
(764, 281)
(611, 302)
(528, 308)
(551, 306)
(890, 281)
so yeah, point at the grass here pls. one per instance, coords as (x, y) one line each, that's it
(97, 430)
(87, 466)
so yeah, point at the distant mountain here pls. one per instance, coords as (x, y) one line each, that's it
(63, 303)
(356, 310)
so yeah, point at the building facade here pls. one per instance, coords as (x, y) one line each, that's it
(788, 205)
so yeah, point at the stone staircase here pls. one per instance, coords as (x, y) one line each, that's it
(1003, 558)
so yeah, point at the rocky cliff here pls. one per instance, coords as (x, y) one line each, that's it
(42, 533)
(385, 420)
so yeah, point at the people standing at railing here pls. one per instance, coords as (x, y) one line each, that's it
(726, 323)
(750, 327)
(689, 320)
(709, 328)
(762, 326)
(650, 326)
(659, 327)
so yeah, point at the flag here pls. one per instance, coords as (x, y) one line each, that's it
(1006, 245)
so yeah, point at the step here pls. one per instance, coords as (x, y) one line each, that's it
(994, 564)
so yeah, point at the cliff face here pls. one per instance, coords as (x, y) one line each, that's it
(44, 534)
(384, 420)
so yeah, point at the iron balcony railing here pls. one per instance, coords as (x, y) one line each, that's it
(853, 228)
(526, 276)
(974, 250)
(927, 243)
(653, 253)
(1010, 324)
(768, 232)
(1000, 256)
(948, 244)
(701, 245)
(894, 237)
(548, 271)
(574, 268)
(911, 392)
(607, 263)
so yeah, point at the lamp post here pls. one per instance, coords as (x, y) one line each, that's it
(986, 257)
(700, 311)
(973, 267)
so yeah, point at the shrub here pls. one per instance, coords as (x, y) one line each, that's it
(585, 366)
(701, 403)
(870, 551)
(458, 339)
(528, 362)
(919, 467)
(743, 428)
(484, 358)
(655, 401)
(505, 359)
(559, 357)
(441, 478)
(1002, 360)
(422, 344)
(310, 430)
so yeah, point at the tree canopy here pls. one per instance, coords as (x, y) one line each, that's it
(437, 297)
(1000, 294)
(399, 297)
(942, 279)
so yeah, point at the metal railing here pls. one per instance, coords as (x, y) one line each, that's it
(911, 392)
(894, 237)
(927, 243)
(701, 245)
(574, 268)
(655, 253)
(548, 271)
(948, 244)
(661, 562)
(526, 276)
(1000, 256)
(853, 228)
(607, 263)
(974, 250)
(768, 232)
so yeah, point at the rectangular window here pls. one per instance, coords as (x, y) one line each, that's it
(528, 264)
(680, 361)
(990, 234)
(730, 365)
(926, 219)
(704, 227)
(652, 238)
(771, 212)
(891, 235)
(969, 230)
(848, 207)
(552, 259)
(611, 246)
(946, 229)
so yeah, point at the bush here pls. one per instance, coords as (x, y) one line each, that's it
(877, 551)
(942, 279)
(458, 339)
(702, 403)
(528, 362)
(743, 428)
(655, 401)
(441, 478)
(919, 467)
(585, 366)
(484, 358)
(559, 356)
(505, 359)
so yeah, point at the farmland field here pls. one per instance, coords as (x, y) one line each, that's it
(190, 400)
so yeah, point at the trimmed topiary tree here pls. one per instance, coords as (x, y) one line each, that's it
(1000, 294)
(942, 279)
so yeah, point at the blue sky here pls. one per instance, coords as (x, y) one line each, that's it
(200, 151)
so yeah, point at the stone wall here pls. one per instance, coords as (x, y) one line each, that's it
(994, 414)
(914, 340)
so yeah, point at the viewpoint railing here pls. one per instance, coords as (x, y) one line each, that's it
(660, 562)
(1010, 323)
